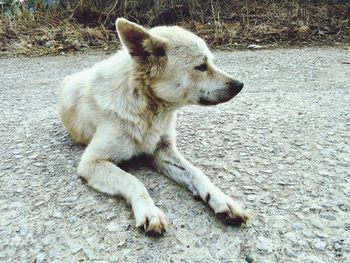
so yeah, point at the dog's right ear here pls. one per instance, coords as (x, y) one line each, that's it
(132, 36)
(139, 41)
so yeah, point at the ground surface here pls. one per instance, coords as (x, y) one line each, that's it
(282, 147)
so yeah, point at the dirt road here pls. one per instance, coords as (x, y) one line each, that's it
(282, 147)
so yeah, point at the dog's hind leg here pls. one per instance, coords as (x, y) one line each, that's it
(170, 162)
(104, 176)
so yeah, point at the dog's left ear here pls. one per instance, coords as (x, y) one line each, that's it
(138, 40)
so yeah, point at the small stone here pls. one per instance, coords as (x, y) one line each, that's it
(24, 230)
(199, 243)
(16, 205)
(114, 259)
(328, 216)
(297, 226)
(323, 172)
(249, 259)
(254, 46)
(74, 246)
(112, 227)
(57, 214)
(202, 231)
(69, 199)
(264, 244)
(315, 207)
(338, 245)
(290, 160)
(292, 237)
(347, 225)
(33, 156)
(4, 207)
(251, 197)
(320, 245)
(49, 223)
(121, 243)
(4, 221)
(90, 254)
(40, 257)
(47, 240)
(39, 164)
(101, 209)
(53, 254)
(171, 216)
(290, 253)
(73, 219)
(110, 215)
(317, 223)
(80, 207)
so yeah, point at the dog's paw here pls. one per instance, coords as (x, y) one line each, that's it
(233, 219)
(152, 220)
(227, 210)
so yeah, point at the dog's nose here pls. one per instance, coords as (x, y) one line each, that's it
(236, 86)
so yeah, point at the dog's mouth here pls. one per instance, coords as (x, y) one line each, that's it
(234, 87)
(206, 102)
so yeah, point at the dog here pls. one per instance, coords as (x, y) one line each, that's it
(125, 106)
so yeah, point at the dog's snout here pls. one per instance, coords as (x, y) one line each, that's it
(235, 86)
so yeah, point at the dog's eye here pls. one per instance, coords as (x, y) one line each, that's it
(202, 67)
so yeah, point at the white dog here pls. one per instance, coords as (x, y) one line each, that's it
(126, 106)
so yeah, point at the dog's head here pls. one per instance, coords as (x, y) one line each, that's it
(177, 65)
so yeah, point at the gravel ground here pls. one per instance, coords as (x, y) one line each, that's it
(281, 147)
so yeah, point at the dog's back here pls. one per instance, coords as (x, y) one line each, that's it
(85, 95)
(73, 110)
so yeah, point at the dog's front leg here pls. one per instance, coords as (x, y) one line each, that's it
(104, 176)
(170, 162)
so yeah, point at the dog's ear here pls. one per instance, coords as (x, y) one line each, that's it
(138, 40)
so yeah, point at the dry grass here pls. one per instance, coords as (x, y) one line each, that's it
(50, 33)
(224, 24)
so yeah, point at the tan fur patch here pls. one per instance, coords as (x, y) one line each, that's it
(70, 122)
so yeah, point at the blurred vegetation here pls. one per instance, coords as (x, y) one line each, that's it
(56, 26)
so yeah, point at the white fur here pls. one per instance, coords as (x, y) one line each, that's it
(121, 111)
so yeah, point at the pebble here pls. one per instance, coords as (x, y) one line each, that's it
(338, 245)
(40, 257)
(114, 259)
(24, 230)
(315, 207)
(290, 160)
(249, 259)
(39, 164)
(57, 214)
(264, 244)
(202, 231)
(4, 221)
(74, 247)
(328, 216)
(53, 254)
(292, 236)
(69, 199)
(112, 227)
(47, 240)
(290, 253)
(320, 245)
(90, 254)
(297, 226)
